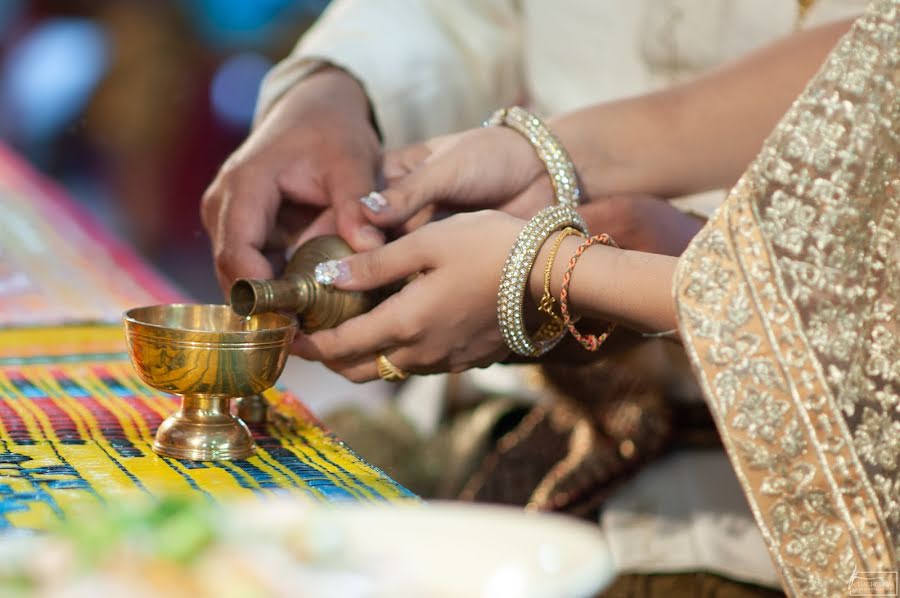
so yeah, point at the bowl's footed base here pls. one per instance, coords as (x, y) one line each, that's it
(204, 454)
(201, 435)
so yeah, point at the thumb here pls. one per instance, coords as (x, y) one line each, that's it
(324, 224)
(347, 187)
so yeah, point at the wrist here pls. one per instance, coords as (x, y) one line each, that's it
(356, 94)
(536, 278)
(515, 281)
(550, 152)
(328, 89)
(518, 155)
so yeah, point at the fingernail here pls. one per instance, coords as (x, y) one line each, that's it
(331, 272)
(375, 201)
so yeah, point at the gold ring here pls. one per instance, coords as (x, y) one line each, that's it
(388, 371)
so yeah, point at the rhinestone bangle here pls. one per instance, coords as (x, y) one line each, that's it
(516, 272)
(548, 148)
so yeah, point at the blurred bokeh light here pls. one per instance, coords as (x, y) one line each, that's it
(234, 88)
(49, 76)
(133, 105)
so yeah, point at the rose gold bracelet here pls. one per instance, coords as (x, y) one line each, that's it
(591, 342)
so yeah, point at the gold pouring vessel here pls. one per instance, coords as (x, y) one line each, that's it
(208, 355)
(297, 291)
(317, 306)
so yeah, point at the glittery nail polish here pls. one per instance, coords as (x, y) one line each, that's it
(331, 272)
(375, 201)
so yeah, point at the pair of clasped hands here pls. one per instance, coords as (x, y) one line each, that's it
(303, 172)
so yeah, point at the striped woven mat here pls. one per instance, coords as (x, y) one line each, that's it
(76, 426)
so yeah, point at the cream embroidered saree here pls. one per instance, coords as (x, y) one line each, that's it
(789, 306)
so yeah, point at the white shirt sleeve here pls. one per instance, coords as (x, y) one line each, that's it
(429, 67)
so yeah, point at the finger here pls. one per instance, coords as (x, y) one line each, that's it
(211, 203)
(210, 207)
(359, 372)
(377, 268)
(301, 182)
(410, 359)
(365, 369)
(347, 186)
(604, 212)
(385, 326)
(291, 221)
(537, 196)
(246, 215)
(429, 183)
(419, 219)
(399, 163)
(324, 224)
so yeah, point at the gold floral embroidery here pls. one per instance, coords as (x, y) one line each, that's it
(788, 304)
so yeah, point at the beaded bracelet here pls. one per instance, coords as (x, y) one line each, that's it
(548, 148)
(516, 272)
(591, 342)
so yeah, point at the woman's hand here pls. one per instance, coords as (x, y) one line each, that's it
(445, 320)
(482, 168)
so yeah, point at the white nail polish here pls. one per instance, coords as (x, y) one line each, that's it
(331, 272)
(375, 201)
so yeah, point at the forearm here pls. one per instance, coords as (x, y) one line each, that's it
(628, 287)
(698, 135)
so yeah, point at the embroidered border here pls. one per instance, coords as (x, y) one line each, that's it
(784, 416)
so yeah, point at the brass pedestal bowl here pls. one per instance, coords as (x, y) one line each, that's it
(208, 355)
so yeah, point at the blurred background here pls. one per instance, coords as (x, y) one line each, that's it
(132, 105)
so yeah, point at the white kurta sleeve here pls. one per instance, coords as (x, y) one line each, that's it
(429, 67)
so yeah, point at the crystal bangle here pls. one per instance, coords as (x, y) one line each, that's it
(516, 272)
(548, 148)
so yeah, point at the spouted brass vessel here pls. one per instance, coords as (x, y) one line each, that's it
(317, 306)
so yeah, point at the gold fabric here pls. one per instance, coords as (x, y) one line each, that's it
(788, 305)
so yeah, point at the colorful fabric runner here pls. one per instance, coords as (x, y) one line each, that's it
(76, 423)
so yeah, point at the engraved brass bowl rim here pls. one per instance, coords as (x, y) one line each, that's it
(154, 322)
(220, 346)
(221, 358)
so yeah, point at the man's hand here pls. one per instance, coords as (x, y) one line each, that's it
(642, 223)
(299, 174)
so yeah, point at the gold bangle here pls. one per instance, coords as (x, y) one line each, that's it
(547, 300)
(548, 148)
(555, 326)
